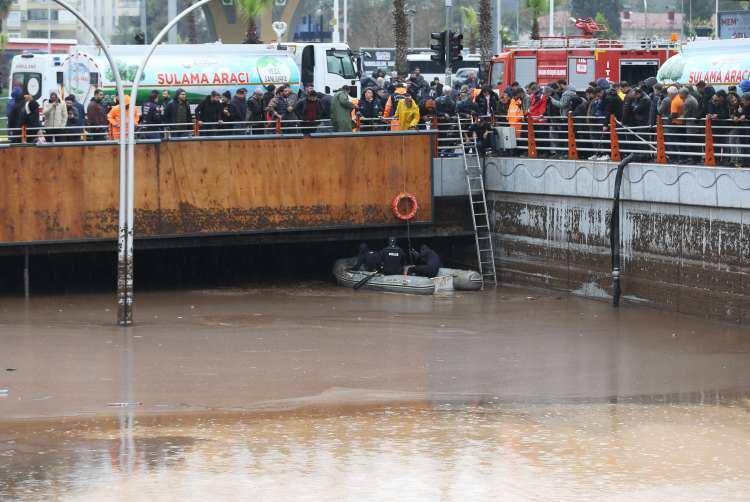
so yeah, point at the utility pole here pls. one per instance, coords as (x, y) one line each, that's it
(346, 21)
(551, 18)
(448, 18)
(336, 38)
(171, 14)
(499, 26)
(144, 23)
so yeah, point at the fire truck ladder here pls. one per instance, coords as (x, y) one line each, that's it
(478, 202)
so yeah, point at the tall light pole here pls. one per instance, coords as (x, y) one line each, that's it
(123, 285)
(551, 18)
(171, 13)
(144, 22)
(131, 135)
(336, 38)
(499, 26)
(412, 13)
(346, 21)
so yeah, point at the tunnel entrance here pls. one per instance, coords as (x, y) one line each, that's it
(201, 267)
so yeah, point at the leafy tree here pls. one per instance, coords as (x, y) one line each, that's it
(400, 34)
(249, 10)
(536, 7)
(156, 15)
(602, 20)
(470, 26)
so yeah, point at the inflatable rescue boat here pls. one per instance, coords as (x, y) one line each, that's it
(447, 279)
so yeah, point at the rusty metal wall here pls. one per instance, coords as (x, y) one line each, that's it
(685, 232)
(70, 193)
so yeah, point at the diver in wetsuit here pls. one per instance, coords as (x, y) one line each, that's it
(428, 262)
(367, 260)
(392, 258)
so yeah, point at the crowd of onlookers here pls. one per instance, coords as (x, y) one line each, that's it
(406, 103)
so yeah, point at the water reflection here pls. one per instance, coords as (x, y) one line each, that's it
(423, 451)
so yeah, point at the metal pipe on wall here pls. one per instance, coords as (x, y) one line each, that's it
(124, 283)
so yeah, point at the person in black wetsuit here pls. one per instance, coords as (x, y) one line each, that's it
(368, 260)
(392, 258)
(428, 262)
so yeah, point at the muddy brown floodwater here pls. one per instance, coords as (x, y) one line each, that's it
(309, 392)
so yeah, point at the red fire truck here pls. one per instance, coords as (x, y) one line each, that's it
(579, 60)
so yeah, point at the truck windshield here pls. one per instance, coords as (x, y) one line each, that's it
(30, 83)
(428, 67)
(498, 73)
(340, 63)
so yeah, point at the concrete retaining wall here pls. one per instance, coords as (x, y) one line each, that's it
(684, 231)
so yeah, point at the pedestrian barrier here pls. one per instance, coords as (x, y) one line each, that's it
(707, 141)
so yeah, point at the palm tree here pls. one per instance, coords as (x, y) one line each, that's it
(485, 30)
(400, 35)
(249, 10)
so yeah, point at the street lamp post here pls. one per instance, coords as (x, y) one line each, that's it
(124, 283)
(130, 166)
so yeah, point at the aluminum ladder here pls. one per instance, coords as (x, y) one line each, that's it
(480, 216)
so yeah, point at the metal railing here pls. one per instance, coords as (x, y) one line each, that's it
(699, 142)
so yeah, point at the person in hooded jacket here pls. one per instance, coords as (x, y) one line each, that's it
(16, 96)
(238, 110)
(370, 111)
(256, 112)
(368, 260)
(55, 118)
(428, 262)
(14, 113)
(178, 116)
(30, 119)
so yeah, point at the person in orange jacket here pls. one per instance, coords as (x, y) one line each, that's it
(391, 105)
(113, 117)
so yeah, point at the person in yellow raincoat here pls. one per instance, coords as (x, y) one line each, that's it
(407, 114)
(515, 114)
(113, 117)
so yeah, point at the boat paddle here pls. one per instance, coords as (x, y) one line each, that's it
(364, 281)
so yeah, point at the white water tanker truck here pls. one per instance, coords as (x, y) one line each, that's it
(198, 69)
(719, 63)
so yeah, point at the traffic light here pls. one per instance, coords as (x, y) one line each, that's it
(438, 47)
(456, 47)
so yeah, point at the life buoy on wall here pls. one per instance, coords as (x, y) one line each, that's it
(412, 202)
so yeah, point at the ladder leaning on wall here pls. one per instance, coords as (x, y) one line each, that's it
(480, 216)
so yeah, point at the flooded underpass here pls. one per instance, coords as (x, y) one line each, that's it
(311, 392)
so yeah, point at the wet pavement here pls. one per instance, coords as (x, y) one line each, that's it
(310, 392)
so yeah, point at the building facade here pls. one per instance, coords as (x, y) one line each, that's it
(40, 19)
(45, 18)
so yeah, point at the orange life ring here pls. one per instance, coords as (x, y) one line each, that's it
(397, 201)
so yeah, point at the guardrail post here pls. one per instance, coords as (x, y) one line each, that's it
(661, 146)
(710, 154)
(572, 147)
(278, 125)
(196, 128)
(531, 138)
(24, 134)
(614, 140)
(358, 123)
